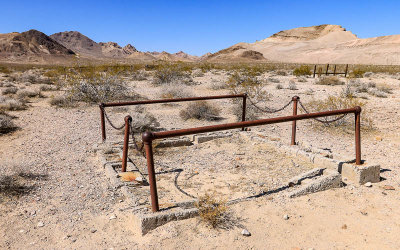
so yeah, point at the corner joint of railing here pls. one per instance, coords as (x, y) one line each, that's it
(128, 118)
(357, 109)
(295, 98)
(101, 105)
(147, 137)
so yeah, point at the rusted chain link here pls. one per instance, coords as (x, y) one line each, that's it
(139, 149)
(319, 120)
(109, 121)
(269, 110)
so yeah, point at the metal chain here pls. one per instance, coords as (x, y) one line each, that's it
(319, 120)
(109, 121)
(269, 110)
(139, 149)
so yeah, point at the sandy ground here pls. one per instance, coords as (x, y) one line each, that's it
(63, 199)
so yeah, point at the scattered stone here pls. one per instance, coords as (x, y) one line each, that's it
(388, 187)
(21, 231)
(93, 230)
(364, 212)
(113, 217)
(40, 224)
(344, 226)
(368, 184)
(245, 232)
(286, 217)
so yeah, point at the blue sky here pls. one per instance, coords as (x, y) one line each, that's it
(196, 27)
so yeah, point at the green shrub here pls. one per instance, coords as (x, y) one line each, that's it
(303, 70)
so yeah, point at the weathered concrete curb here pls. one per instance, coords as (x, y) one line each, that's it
(360, 174)
(147, 222)
(306, 175)
(328, 181)
(208, 137)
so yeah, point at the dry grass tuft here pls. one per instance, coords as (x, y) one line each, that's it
(329, 80)
(6, 123)
(200, 110)
(303, 70)
(212, 211)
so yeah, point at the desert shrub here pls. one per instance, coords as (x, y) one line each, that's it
(6, 123)
(212, 211)
(9, 104)
(21, 94)
(9, 90)
(45, 87)
(385, 88)
(357, 73)
(61, 101)
(94, 87)
(347, 91)
(281, 73)
(362, 88)
(292, 85)
(329, 80)
(279, 86)
(4, 70)
(217, 85)
(301, 79)
(200, 110)
(175, 91)
(274, 80)
(197, 73)
(143, 121)
(368, 74)
(139, 75)
(371, 85)
(377, 93)
(172, 73)
(303, 70)
(340, 102)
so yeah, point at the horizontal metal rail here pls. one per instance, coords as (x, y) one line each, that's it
(171, 100)
(148, 138)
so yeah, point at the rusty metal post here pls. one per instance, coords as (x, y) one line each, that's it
(327, 68)
(102, 121)
(295, 100)
(147, 138)
(345, 72)
(315, 69)
(334, 70)
(358, 135)
(128, 119)
(244, 109)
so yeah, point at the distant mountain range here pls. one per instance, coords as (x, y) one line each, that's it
(315, 44)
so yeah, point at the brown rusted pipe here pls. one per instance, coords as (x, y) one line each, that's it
(244, 109)
(334, 70)
(295, 100)
(345, 72)
(327, 68)
(113, 104)
(147, 138)
(315, 69)
(358, 135)
(102, 121)
(128, 119)
(190, 131)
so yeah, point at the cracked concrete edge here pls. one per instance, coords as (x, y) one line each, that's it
(331, 180)
(147, 222)
(309, 174)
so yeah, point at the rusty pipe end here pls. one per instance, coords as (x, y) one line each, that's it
(295, 98)
(101, 105)
(128, 118)
(244, 94)
(147, 137)
(358, 109)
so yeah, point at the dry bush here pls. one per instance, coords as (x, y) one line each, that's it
(61, 101)
(385, 88)
(301, 79)
(217, 85)
(340, 102)
(279, 86)
(139, 75)
(212, 211)
(303, 70)
(377, 93)
(9, 90)
(172, 73)
(6, 123)
(329, 80)
(357, 73)
(4, 70)
(24, 93)
(9, 104)
(292, 85)
(170, 91)
(45, 87)
(274, 80)
(197, 73)
(200, 110)
(281, 73)
(144, 121)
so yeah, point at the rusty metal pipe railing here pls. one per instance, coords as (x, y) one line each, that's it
(295, 100)
(148, 138)
(144, 102)
(128, 119)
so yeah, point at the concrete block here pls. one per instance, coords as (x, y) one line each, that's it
(205, 138)
(309, 174)
(174, 143)
(147, 222)
(360, 174)
(331, 179)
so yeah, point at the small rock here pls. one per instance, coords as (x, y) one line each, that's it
(286, 217)
(113, 217)
(21, 231)
(368, 184)
(40, 224)
(93, 230)
(344, 226)
(245, 232)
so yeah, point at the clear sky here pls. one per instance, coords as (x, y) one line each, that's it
(196, 27)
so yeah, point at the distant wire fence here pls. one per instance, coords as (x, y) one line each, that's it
(320, 70)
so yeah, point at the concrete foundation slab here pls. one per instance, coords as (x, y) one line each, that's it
(360, 174)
